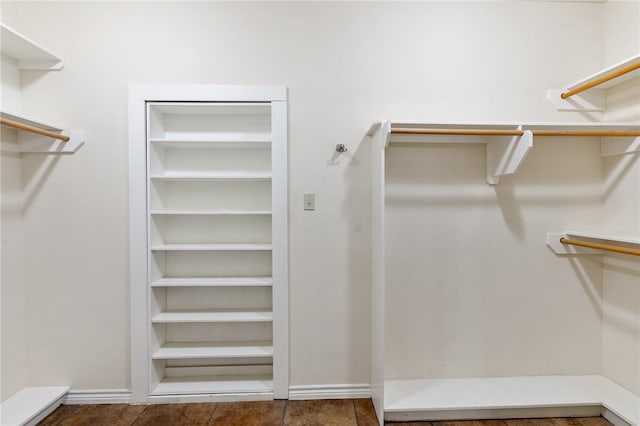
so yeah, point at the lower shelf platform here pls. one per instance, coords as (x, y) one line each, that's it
(30, 405)
(501, 397)
(214, 384)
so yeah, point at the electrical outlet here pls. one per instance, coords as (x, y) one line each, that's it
(309, 201)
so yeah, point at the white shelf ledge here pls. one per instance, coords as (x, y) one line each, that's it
(553, 241)
(214, 350)
(222, 140)
(214, 282)
(212, 317)
(27, 54)
(438, 399)
(212, 247)
(214, 384)
(505, 154)
(37, 144)
(197, 177)
(31, 405)
(212, 212)
(594, 99)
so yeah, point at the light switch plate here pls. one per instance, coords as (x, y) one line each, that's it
(309, 201)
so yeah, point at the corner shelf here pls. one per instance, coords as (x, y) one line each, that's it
(37, 144)
(27, 54)
(594, 99)
(505, 153)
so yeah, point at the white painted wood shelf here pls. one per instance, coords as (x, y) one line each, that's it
(30, 143)
(474, 398)
(211, 212)
(31, 405)
(505, 154)
(211, 177)
(223, 141)
(622, 239)
(27, 54)
(214, 282)
(594, 99)
(214, 384)
(214, 350)
(212, 317)
(212, 247)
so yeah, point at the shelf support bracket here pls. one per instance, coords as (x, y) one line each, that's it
(504, 156)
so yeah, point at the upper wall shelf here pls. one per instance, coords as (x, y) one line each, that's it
(590, 92)
(30, 142)
(27, 54)
(509, 143)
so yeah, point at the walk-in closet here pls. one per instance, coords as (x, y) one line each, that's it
(320, 212)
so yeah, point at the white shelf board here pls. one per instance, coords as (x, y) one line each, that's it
(614, 82)
(214, 282)
(219, 140)
(212, 108)
(211, 177)
(214, 384)
(27, 54)
(214, 350)
(212, 317)
(429, 398)
(603, 236)
(30, 405)
(37, 144)
(212, 212)
(212, 247)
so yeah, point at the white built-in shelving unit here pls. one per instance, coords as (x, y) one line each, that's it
(594, 99)
(209, 242)
(489, 397)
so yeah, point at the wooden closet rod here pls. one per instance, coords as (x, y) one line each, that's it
(16, 125)
(606, 247)
(598, 81)
(512, 132)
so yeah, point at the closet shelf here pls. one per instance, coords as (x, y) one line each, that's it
(508, 144)
(214, 282)
(203, 177)
(31, 142)
(211, 247)
(434, 399)
(212, 317)
(214, 384)
(623, 243)
(214, 350)
(27, 54)
(589, 93)
(225, 140)
(212, 212)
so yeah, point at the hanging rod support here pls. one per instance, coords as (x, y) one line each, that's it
(599, 246)
(513, 132)
(598, 81)
(21, 126)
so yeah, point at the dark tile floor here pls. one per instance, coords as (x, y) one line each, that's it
(326, 412)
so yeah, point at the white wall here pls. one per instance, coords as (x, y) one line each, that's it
(346, 65)
(13, 308)
(621, 288)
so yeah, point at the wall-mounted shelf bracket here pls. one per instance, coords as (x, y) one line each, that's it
(505, 155)
(34, 143)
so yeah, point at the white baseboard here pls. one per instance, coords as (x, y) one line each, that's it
(337, 391)
(100, 396)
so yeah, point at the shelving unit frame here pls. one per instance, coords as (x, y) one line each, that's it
(478, 398)
(150, 180)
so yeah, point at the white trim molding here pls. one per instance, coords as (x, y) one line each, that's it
(98, 396)
(335, 391)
